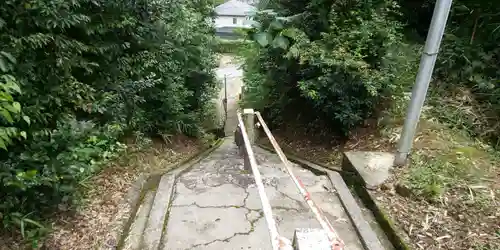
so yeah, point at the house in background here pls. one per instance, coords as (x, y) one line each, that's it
(231, 15)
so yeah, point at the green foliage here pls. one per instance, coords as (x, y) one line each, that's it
(230, 46)
(219, 2)
(90, 72)
(333, 62)
(467, 63)
(10, 109)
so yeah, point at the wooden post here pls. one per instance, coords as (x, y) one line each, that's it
(249, 120)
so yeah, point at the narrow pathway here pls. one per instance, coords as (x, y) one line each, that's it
(232, 73)
(216, 204)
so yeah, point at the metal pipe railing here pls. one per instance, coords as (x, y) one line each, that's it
(278, 243)
(336, 242)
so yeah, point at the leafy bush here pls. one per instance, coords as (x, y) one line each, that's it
(48, 172)
(10, 109)
(90, 72)
(333, 62)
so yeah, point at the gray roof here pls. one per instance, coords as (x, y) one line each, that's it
(235, 8)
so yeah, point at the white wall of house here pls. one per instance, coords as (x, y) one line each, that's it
(232, 21)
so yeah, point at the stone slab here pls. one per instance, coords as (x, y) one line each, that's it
(223, 195)
(257, 239)
(276, 199)
(372, 167)
(311, 239)
(192, 226)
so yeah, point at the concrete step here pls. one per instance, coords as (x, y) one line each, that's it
(159, 213)
(135, 234)
(371, 236)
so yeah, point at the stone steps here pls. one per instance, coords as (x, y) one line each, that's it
(217, 185)
(146, 230)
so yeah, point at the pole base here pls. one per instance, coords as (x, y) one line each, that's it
(401, 159)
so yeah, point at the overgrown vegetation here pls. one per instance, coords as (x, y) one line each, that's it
(337, 63)
(329, 62)
(231, 46)
(467, 71)
(77, 76)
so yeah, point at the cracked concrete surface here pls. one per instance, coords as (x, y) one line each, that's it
(216, 204)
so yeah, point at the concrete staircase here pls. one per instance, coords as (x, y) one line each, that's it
(212, 203)
(147, 228)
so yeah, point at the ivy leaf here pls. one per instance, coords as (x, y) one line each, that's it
(293, 52)
(255, 24)
(281, 42)
(8, 56)
(26, 119)
(6, 115)
(23, 134)
(277, 25)
(17, 107)
(2, 144)
(3, 66)
(263, 38)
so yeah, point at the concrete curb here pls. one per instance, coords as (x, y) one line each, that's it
(121, 224)
(367, 236)
(159, 213)
(395, 235)
(133, 240)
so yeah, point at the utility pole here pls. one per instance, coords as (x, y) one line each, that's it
(427, 62)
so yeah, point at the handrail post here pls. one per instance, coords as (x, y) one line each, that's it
(249, 120)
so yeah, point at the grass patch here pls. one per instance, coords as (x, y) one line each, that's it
(457, 163)
(446, 161)
(453, 179)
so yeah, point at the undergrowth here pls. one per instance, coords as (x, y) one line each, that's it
(76, 77)
(447, 160)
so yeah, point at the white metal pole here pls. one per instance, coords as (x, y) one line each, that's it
(266, 206)
(427, 62)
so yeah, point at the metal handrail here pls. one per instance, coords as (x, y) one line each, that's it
(278, 242)
(336, 242)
